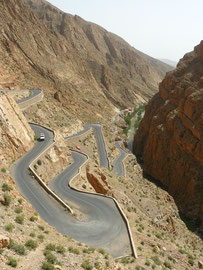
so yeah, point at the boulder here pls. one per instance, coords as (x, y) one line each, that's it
(58, 267)
(58, 96)
(200, 264)
(4, 241)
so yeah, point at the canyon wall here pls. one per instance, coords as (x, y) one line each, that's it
(170, 136)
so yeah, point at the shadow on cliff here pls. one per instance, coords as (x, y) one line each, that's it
(193, 225)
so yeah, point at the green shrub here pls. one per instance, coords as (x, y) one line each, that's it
(7, 199)
(6, 187)
(20, 201)
(191, 262)
(139, 267)
(182, 251)
(33, 218)
(18, 210)
(60, 249)
(41, 227)
(101, 250)
(125, 260)
(40, 237)
(18, 248)
(9, 227)
(51, 247)
(31, 244)
(168, 265)
(139, 230)
(1, 250)
(19, 219)
(158, 236)
(97, 265)
(147, 263)
(154, 250)
(3, 170)
(156, 260)
(190, 256)
(12, 262)
(47, 266)
(11, 243)
(106, 256)
(32, 234)
(51, 258)
(86, 265)
(39, 162)
(73, 250)
(88, 250)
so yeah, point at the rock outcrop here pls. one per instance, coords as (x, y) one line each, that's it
(16, 135)
(170, 136)
(98, 180)
(4, 241)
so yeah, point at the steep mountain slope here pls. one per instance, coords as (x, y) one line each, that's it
(170, 137)
(31, 55)
(121, 72)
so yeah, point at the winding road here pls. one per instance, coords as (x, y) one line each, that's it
(118, 167)
(104, 226)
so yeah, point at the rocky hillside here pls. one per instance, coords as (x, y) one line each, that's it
(16, 135)
(120, 70)
(170, 137)
(62, 53)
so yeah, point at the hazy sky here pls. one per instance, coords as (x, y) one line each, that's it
(160, 28)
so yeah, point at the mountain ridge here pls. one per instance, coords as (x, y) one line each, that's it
(169, 62)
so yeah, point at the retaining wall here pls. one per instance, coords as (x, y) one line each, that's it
(41, 182)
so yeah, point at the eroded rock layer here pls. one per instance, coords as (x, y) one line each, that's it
(16, 135)
(170, 136)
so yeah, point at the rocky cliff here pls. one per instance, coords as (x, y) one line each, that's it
(16, 135)
(90, 68)
(170, 136)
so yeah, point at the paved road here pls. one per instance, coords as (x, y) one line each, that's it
(104, 227)
(100, 142)
(118, 167)
(34, 93)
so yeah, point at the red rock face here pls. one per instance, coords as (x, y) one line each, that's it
(170, 136)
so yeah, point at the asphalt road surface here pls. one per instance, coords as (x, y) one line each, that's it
(34, 92)
(118, 167)
(100, 142)
(104, 227)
